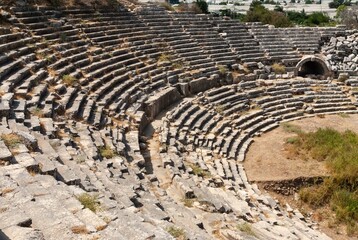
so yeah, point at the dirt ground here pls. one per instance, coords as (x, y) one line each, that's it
(269, 160)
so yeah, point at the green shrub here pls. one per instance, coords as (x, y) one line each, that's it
(258, 13)
(202, 5)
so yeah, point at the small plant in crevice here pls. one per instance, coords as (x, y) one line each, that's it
(188, 202)
(12, 140)
(220, 109)
(291, 128)
(89, 201)
(63, 38)
(246, 228)
(107, 152)
(79, 229)
(165, 57)
(178, 65)
(69, 80)
(199, 171)
(176, 232)
(278, 68)
(222, 69)
(38, 112)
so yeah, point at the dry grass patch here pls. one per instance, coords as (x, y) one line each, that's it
(69, 80)
(12, 140)
(79, 229)
(278, 68)
(220, 109)
(38, 112)
(3, 209)
(6, 191)
(165, 57)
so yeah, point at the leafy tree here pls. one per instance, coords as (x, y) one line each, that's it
(317, 19)
(258, 13)
(202, 4)
(340, 11)
(349, 16)
(337, 3)
(278, 8)
(297, 17)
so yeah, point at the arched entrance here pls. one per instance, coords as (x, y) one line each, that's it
(312, 65)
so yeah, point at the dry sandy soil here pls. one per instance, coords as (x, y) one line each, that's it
(269, 160)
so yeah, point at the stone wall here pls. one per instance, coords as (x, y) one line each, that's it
(291, 186)
(162, 100)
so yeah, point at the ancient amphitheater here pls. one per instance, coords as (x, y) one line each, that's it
(151, 112)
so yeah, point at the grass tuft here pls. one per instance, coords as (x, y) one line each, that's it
(89, 201)
(176, 232)
(165, 57)
(188, 202)
(11, 140)
(278, 68)
(199, 171)
(344, 115)
(79, 230)
(291, 128)
(246, 228)
(107, 152)
(69, 80)
(222, 69)
(220, 109)
(38, 112)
